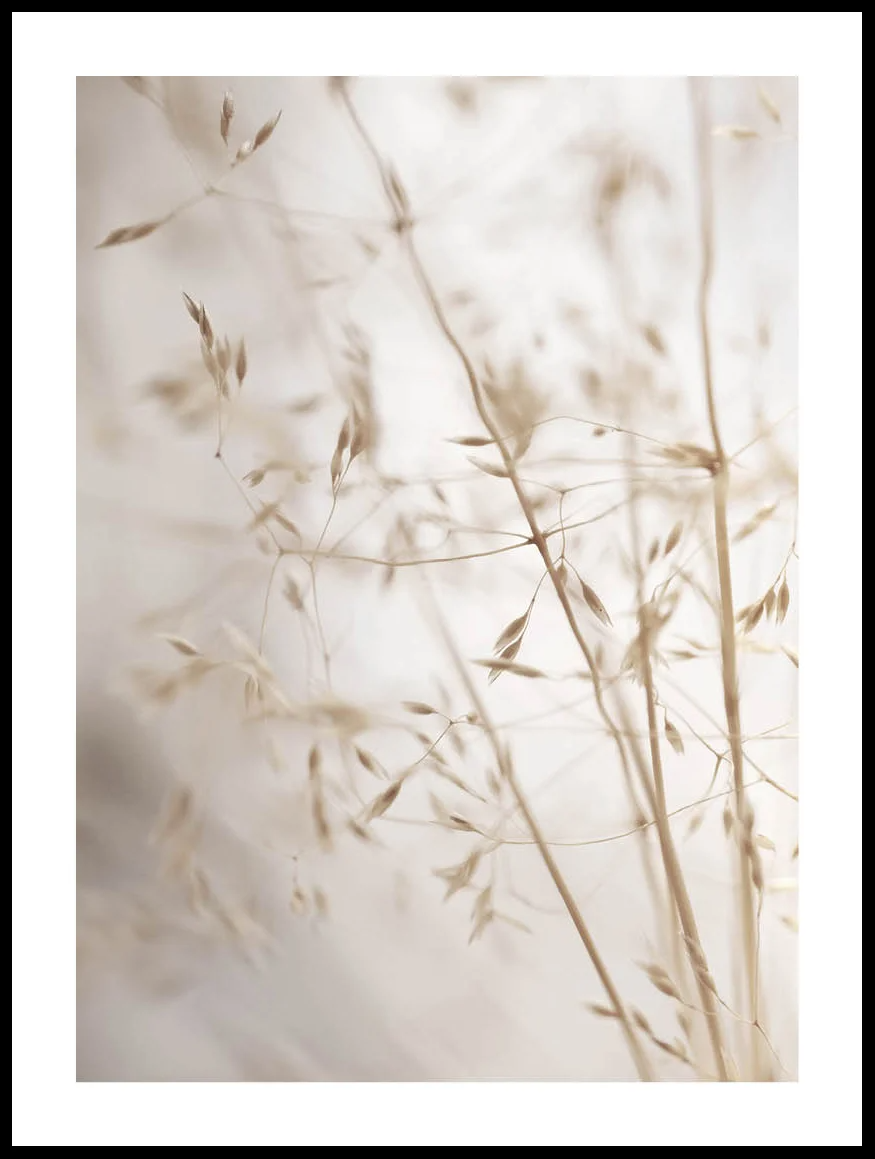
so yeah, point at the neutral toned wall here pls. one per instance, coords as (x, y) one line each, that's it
(505, 179)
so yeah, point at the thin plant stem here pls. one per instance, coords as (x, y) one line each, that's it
(724, 570)
(403, 226)
(708, 997)
(506, 768)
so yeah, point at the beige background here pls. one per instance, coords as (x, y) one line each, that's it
(505, 178)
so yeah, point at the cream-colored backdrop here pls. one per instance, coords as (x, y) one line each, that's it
(509, 181)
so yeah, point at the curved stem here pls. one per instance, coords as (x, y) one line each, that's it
(403, 226)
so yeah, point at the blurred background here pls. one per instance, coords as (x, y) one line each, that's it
(224, 933)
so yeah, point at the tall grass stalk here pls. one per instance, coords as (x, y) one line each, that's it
(749, 874)
(674, 874)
